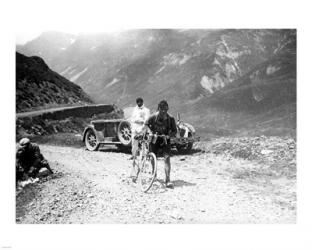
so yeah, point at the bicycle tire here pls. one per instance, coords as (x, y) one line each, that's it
(148, 172)
(136, 164)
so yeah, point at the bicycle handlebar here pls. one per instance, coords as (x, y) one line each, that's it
(164, 137)
(152, 137)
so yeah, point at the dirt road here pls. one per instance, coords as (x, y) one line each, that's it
(93, 187)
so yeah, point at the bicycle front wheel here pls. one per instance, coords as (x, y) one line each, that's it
(148, 172)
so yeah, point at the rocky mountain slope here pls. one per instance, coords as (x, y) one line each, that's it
(219, 79)
(38, 86)
(263, 101)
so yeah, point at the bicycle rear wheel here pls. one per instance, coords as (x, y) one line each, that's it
(148, 172)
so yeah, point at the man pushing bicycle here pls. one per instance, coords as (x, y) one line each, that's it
(163, 125)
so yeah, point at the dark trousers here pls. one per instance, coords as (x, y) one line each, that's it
(164, 150)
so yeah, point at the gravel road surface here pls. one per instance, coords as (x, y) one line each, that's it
(94, 187)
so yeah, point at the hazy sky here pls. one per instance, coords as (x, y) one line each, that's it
(22, 38)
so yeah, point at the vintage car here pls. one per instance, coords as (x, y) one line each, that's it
(118, 132)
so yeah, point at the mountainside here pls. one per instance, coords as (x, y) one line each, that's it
(261, 102)
(38, 86)
(216, 78)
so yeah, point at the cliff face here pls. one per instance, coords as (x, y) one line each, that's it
(38, 86)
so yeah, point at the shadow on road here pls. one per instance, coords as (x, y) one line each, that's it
(174, 152)
(181, 183)
(193, 151)
(113, 149)
(160, 187)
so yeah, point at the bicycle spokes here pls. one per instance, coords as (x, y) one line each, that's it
(148, 172)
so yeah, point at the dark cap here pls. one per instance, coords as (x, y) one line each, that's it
(139, 99)
(163, 104)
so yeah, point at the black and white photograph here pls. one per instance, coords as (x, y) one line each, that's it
(179, 120)
(157, 126)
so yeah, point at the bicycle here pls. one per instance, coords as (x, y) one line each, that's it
(146, 161)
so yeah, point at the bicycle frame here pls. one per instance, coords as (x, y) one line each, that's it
(143, 147)
(140, 160)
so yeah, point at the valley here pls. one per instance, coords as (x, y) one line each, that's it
(218, 80)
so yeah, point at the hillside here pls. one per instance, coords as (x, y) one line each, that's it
(220, 80)
(37, 86)
(263, 101)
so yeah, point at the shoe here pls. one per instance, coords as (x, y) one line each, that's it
(169, 184)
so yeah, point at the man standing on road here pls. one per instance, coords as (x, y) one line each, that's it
(139, 116)
(163, 124)
(29, 159)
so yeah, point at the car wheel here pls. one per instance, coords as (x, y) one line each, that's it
(91, 140)
(186, 148)
(124, 133)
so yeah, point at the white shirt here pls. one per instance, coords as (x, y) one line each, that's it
(138, 119)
